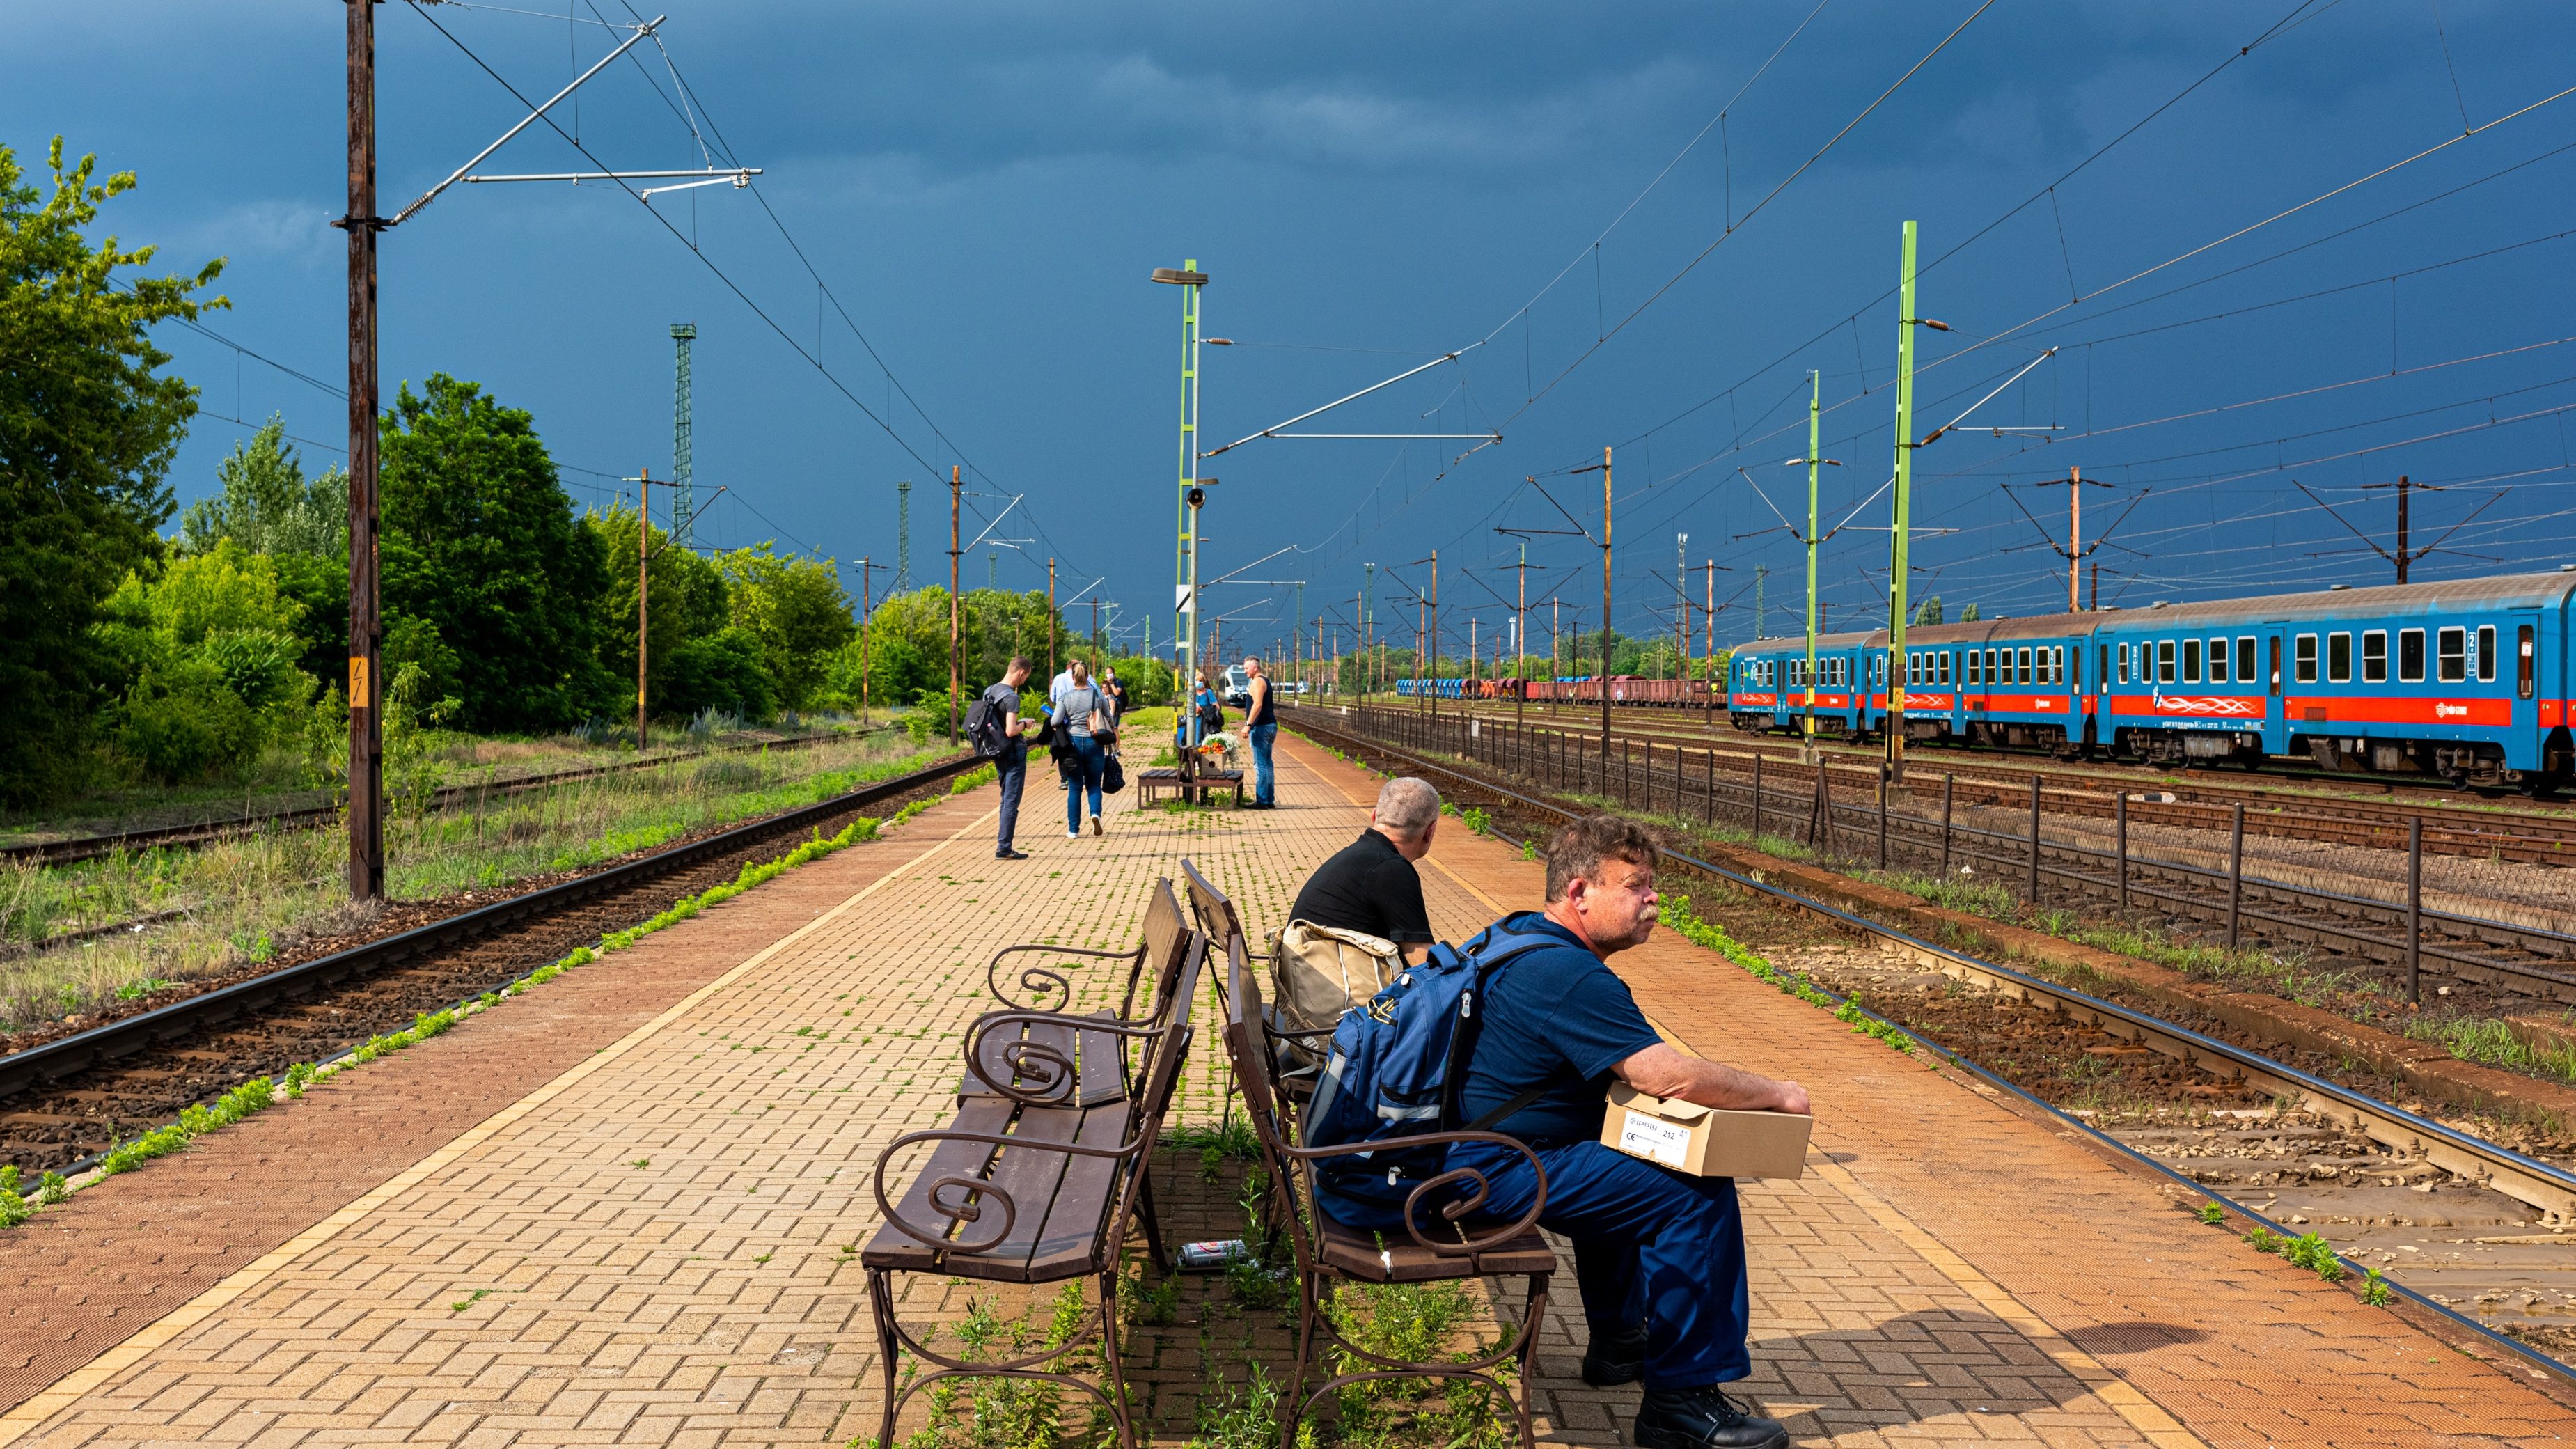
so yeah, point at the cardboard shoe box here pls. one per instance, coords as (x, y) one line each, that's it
(1705, 1141)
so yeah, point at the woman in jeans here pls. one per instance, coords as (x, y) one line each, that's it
(1086, 718)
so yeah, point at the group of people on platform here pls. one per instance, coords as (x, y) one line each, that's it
(1081, 726)
(1659, 1253)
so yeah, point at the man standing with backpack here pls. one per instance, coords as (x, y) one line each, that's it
(993, 726)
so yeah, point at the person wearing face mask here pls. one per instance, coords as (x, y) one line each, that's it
(1659, 1254)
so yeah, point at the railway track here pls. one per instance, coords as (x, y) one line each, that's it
(2330, 809)
(1840, 819)
(2310, 1111)
(74, 849)
(62, 1102)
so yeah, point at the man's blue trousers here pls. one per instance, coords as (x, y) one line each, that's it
(1651, 1246)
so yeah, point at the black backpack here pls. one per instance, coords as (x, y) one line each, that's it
(984, 729)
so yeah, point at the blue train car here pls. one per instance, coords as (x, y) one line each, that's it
(2465, 680)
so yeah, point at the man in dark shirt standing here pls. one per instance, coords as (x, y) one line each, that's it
(1370, 885)
(1658, 1254)
(1012, 765)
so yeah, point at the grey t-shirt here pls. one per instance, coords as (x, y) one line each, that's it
(1074, 707)
(1006, 701)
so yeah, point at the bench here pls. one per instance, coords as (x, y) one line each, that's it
(1436, 1244)
(1031, 1048)
(1190, 785)
(1040, 1176)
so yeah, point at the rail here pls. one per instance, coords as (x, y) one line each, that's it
(74, 849)
(105, 1044)
(1837, 807)
(2537, 1184)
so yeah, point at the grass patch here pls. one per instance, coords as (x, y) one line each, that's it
(247, 899)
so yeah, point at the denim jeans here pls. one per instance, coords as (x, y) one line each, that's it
(1091, 760)
(1262, 735)
(1013, 768)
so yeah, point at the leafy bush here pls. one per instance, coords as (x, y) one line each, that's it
(181, 722)
(722, 671)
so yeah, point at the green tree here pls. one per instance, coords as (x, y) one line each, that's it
(88, 426)
(1928, 611)
(268, 506)
(911, 647)
(210, 643)
(480, 543)
(687, 599)
(798, 611)
(1968, 615)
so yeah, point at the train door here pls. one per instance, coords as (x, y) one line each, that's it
(2525, 745)
(2276, 717)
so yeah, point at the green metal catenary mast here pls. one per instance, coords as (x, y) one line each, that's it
(1185, 612)
(1815, 461)
(1897, 564)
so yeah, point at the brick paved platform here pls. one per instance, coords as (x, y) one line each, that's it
(657, 1245)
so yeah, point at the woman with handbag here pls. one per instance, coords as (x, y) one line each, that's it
(1088, 720)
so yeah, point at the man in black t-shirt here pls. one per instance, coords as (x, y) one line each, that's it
(1370, 885)
(1658, 1254)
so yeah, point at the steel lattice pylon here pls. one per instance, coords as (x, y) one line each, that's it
(684, 500)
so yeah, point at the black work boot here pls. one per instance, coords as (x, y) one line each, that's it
(1615, 1358)
(1703, 1419)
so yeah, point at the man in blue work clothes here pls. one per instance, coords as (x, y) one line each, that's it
(1658, 1254)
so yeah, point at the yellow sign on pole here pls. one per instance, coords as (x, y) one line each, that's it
(358, 694)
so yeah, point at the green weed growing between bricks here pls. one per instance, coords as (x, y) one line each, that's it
(1011, 1413)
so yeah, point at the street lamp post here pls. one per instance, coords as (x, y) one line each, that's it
(1185, 631)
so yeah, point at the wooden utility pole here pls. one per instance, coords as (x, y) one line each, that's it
(1605, 610)
(867, 632)
(643, 591)
(956, 499)
(1709, 655)
(366, 687)
(2074, 552)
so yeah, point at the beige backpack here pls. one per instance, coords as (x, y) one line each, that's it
(1319, 972)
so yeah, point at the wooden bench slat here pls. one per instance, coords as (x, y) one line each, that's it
(894, 1248)
(1102, 1076)
(1031, 1178)
(1083, 1201)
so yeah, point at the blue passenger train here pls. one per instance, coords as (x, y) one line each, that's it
(2466, 680)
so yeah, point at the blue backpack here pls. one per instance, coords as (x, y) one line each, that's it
(1395, 1072)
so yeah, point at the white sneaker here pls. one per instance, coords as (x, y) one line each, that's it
(1073, 835)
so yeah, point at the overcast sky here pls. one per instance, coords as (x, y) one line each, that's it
(983, 189)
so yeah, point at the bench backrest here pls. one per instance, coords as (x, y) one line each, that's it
(1248, 1048)
(1216, 913)
(1167, 940)
(1162, 1076)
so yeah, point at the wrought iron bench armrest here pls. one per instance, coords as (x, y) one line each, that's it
(1037, 979)
(968, 1212)
(1456, 1210)
(1055, 1077)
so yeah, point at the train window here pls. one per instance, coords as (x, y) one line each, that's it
(2078, 657)
(2164, 661)
(2218, 661)
(2453, 645)
(2524, 662)
(2245, 671)
(2102, 674)
(2304, 657)
(2124, 664)
(2191, 661)
(2374, 656)
(2338, 658)
(2021, 668)
(2486, 654)
(1946, 657)
(2057, 663)
(2410, 656)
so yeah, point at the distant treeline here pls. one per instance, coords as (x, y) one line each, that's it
(128, 654)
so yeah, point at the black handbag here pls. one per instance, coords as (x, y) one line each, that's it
(1113, 778)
